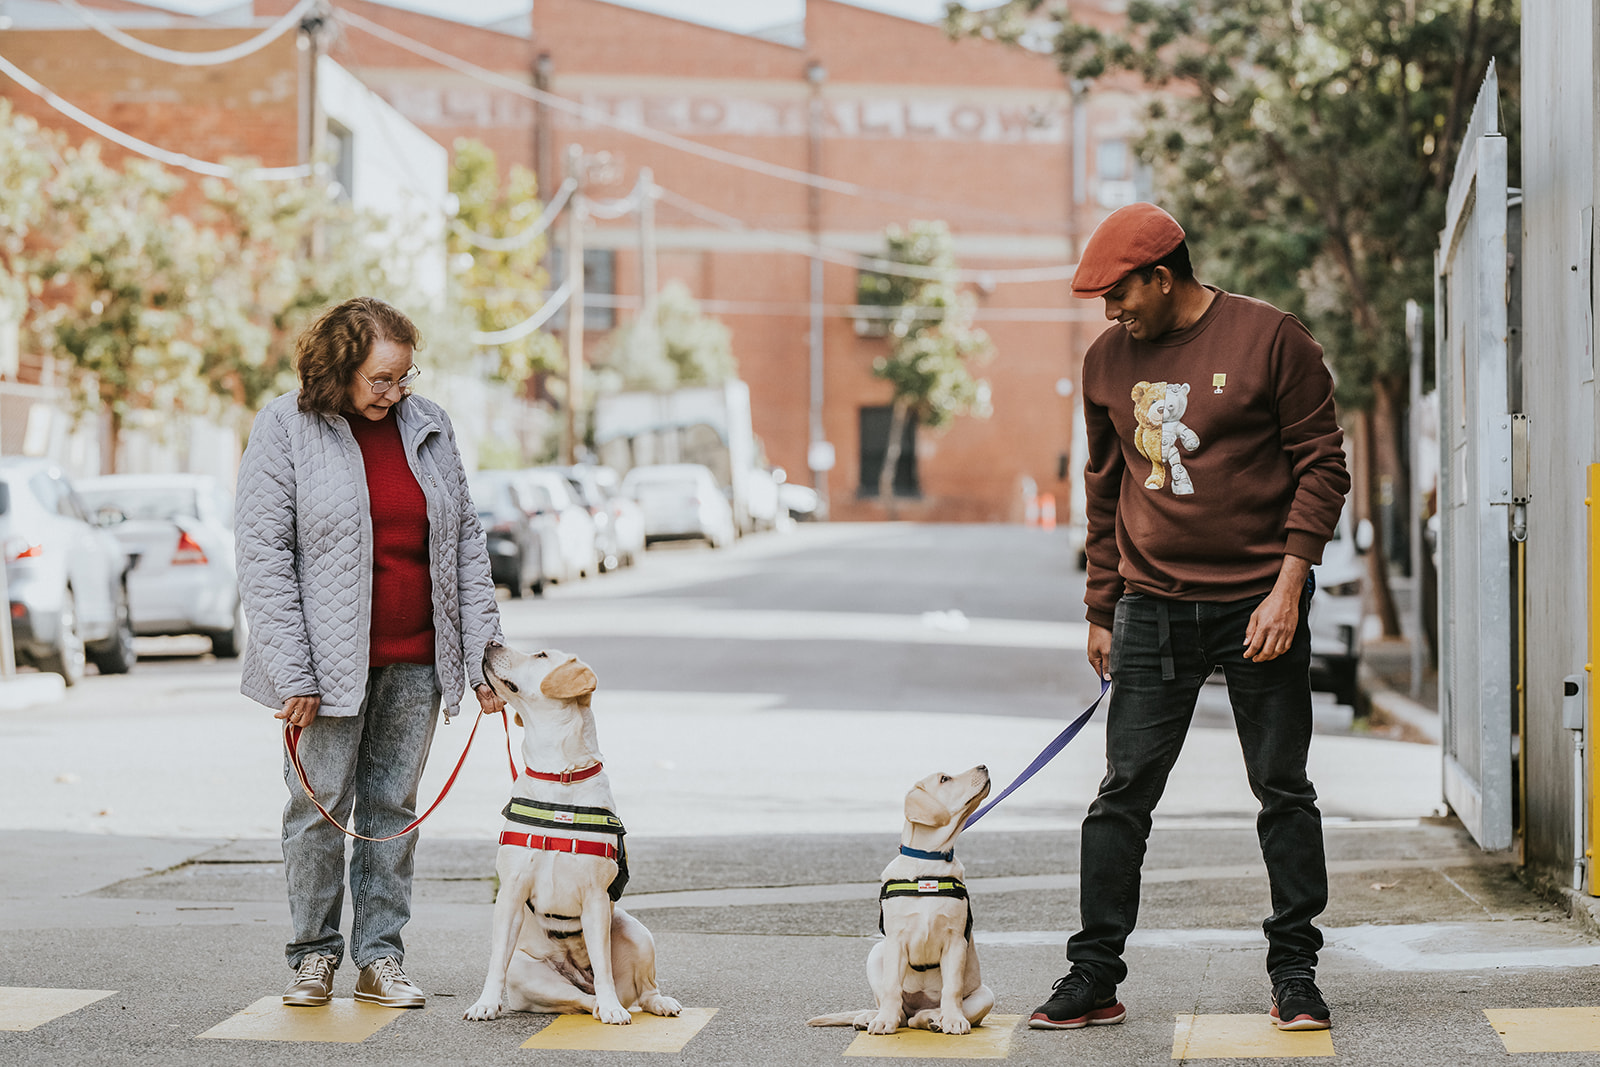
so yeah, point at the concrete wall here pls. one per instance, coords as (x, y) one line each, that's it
(1558, 172)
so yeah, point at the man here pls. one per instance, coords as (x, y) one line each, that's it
(1215, 476)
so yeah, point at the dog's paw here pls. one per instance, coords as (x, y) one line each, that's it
(615, 1014)
(881, 1025)
(484, 1010)
(660, 1005)
(953, 1023)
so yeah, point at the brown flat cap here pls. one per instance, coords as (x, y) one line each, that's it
(1127, 239)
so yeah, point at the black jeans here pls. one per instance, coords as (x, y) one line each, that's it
(1154, 686)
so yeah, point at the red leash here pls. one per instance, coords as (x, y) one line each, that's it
(291, 740)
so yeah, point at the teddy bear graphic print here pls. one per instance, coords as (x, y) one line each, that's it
(1158, 408)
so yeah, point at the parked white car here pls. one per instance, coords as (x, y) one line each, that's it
(680, 500)
(619, 523)
(1337, 610)
(575, 528)
(64, 573)
(178, 528)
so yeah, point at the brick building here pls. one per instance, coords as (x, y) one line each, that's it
(903, 124)
(987, 137)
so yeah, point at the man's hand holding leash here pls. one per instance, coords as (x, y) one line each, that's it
(1099, 649)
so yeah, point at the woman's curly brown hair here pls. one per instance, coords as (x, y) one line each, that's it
(329, 351)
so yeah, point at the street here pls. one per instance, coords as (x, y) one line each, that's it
(763, 711)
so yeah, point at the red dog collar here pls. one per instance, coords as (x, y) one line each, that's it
(565, 777)
(559, 844)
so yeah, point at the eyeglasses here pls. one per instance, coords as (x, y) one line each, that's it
(383, 385)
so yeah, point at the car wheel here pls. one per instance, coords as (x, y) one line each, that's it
(229, 643)
(538, 587)
(116, 655)
(67, 657)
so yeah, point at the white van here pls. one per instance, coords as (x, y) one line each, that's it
(1337, 609)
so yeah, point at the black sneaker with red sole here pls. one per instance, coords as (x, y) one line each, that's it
(1076, 1003)
(1297, 1004)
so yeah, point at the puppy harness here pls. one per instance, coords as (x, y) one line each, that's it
(552, 816)
(925, 887)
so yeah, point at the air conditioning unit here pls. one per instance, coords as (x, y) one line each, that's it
(1114, 194)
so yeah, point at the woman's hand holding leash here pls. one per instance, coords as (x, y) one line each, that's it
(488, 699)
(299, 711)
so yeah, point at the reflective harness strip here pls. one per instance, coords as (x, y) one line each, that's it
(925, 887)
(563, 816)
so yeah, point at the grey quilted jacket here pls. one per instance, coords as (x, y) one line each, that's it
(303, 529)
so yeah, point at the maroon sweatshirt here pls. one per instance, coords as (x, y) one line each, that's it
(1214, 452)
(402, 589)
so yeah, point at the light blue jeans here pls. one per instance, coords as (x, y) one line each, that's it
(370, 762)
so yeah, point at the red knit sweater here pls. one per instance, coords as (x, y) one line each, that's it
(402, 591)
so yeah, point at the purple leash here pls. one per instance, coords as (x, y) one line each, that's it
(1046, 756)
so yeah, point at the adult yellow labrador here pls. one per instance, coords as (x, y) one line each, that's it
(560, 944)
(924, 973)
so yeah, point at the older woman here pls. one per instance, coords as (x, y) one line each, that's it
(366, 588)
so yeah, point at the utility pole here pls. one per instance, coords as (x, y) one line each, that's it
(572, 435)
(819, 453)
(647, 246)
(313, 123)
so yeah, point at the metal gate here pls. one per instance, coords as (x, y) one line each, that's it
(1475, 606)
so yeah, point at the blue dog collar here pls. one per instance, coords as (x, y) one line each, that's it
(919, 854)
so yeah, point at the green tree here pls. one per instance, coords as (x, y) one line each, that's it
(24, 170)
(682, 347)
(500, 288)
(1307, 146)
(124, 274)
(274, 286)
(932, 343)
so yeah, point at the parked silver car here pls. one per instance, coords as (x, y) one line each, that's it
(681, 500)
(619, 524)
(179, 530)
(65, 576)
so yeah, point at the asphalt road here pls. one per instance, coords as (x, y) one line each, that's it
(763, 710)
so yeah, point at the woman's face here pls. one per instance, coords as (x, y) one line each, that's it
(389, 362)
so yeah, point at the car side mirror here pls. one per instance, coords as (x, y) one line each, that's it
(1364, 535)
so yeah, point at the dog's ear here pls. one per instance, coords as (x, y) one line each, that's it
(573, 680)
(925, 809)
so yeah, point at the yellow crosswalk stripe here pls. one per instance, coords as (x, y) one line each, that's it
(991, 1041)
(647, 1033)
(1212, 1037)
(23, 1008)
(1547, 1029)
(270, 1019)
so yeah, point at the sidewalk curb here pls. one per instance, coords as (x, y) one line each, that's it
(25, 690)
(1417, 720)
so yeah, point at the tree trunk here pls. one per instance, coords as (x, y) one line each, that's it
(891, 456)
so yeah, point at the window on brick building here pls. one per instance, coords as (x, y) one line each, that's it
(599, 279)
(875, 449)
(343, 143)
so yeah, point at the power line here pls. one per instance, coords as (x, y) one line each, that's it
(191, 59)
(682, 144)
(557, 300)
(522, 238)
(876, 264)
(144, 148)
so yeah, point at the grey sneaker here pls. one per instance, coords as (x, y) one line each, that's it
(313, 982)
(383, 982)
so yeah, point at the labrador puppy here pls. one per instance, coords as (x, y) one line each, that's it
(560, 944)
(924, 973)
